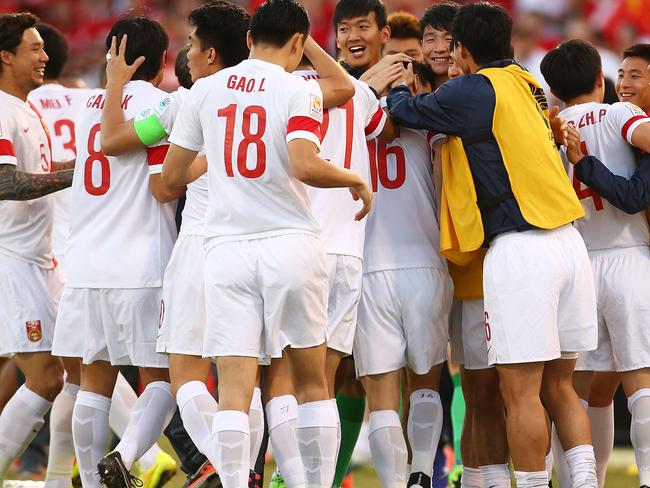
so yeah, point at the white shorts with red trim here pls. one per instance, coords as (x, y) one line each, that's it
(539, 296)
(183, 299)
(263, 295)
(403, 320)
(27, 311)
(118, 325)
(623, 296)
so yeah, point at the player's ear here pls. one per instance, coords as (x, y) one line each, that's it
(5, 57)
(600, 79)
(297, 42)
(249, 39)
(213, 56)
(385, 34)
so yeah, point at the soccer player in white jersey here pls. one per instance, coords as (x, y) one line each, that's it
(404, 308)
(266, 283)
(59, 106)
(617, 241)
(121, 235)
(217, 41)
(27, 271)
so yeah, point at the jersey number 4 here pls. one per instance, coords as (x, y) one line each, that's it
(96, 157)
(251, 138)
(586, 192)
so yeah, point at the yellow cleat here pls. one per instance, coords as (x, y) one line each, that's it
(75, 477)
(160, 473)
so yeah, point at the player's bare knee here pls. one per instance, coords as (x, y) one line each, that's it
(47, 382)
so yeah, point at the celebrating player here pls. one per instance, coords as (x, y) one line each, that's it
(617, 241)
(27, 269)
(520, 225)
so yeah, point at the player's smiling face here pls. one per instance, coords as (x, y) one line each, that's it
(435, 46)
(199, 59)
(633, 84)
(28, 63)
(361, 40)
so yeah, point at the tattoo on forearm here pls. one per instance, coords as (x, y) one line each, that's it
(18, 185)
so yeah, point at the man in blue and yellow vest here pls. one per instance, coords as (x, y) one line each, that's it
(507, 189)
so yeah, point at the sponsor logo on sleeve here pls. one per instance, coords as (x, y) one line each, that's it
(316, 106)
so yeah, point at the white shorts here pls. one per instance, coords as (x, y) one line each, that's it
(539, 296)
(403, 320)
(182, 309)
(263, 295)
(345, 278)
(622, 278)
(467, 334)
(119, 325)
(27, 311)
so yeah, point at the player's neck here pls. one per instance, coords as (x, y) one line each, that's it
(271, 55)
(439, 80)
(8, 85)
(589, 98)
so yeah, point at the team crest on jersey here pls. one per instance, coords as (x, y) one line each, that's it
(145, 114)
(34, 331)
(316, 105)
(635, 109)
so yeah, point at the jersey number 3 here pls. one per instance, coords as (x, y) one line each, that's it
(251, 138)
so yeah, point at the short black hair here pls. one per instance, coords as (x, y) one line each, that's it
(440, 16)
(637, 51)
(56, 48)
(146, 38)
(571, 69)
(404, 25)
(485, 30)
(349, 9)
(275, 21)
(424, 71)
(12, 28)
(222, 25)
(181, 70)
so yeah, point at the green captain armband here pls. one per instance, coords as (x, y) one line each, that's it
(149, 128)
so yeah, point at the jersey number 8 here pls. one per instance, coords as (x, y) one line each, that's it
(95, 156)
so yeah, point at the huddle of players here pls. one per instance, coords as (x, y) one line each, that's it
(271, 283)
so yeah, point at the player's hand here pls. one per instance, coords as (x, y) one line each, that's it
(381, 80)
(118, 72)
(378, 75)
(406, 77)
(361, 191)
(558, 126)
(573, 145)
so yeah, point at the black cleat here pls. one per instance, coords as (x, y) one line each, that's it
(254, 480)
(419, 480)
(205, 477)
(113, 473)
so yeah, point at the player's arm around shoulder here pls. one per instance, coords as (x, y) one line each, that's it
(335, 83)
(118, 136)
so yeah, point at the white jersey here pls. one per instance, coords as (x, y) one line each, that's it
(345, 130)
(196, 198)
(402, 229)
(120, 236)
(245, 115)
(59, 106)
(606, 133)
(25, 226)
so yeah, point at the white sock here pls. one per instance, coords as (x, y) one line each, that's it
(149, 417)
(582, 464)
(548, 464)
(256, 419)
(602, 435)
(532, 479)
(562, 472)
(423, 428)
(282, 415)
(388, 448)
(231, 435)
(122, 402)
(61, 453)
(90, 434)
(318, 432)
(20, 421)
(473, 478)
(639, 406)
(197, 408)
(495, 475)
